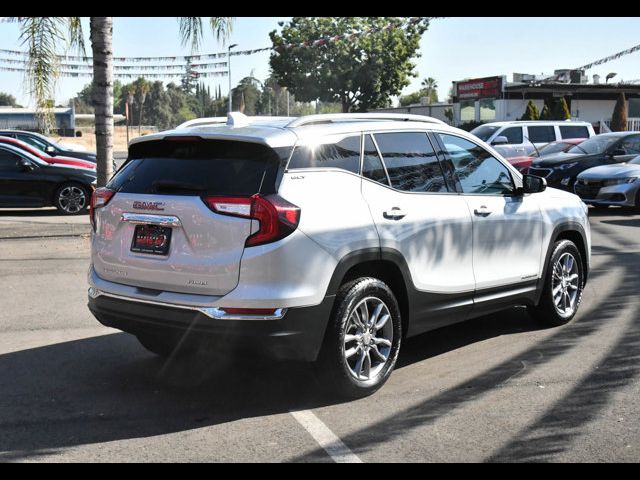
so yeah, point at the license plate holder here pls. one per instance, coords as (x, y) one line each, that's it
(152, 239)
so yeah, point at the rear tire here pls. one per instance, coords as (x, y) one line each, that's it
(362, 342)
(564, 282)
(71, 198)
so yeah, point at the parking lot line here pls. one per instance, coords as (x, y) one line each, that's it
(328, 440)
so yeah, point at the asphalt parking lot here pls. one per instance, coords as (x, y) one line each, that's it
(497, 388)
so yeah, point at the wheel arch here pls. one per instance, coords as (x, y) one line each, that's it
(574, 232)
(386, 265)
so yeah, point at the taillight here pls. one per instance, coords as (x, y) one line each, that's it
(278, 218)
(99, 198)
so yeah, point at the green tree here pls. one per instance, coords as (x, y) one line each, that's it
(430, 88)
(546, 111)
(619, 117)
(7, 100)
(561, 110)
(44, 35)
(360, 73)
(531, 112)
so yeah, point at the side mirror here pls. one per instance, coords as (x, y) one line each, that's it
(25, 165)
(500, 140)
(533, 184)
(50, 150)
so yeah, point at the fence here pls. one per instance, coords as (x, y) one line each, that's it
(633, 124)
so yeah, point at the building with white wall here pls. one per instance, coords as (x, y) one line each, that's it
(494, 99)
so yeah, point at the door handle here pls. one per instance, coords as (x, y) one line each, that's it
(394, 214)
(483, 211)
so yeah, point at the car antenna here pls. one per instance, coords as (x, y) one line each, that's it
(534, 145)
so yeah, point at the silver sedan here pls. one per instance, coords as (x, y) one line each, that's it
(617, 184)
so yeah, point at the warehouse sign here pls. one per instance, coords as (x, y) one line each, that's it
(489, 87)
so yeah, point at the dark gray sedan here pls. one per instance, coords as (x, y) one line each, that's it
(617, 184)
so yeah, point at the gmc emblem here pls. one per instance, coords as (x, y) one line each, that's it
(158, 206)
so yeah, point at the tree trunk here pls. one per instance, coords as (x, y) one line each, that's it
(101, 38)
(345, 104)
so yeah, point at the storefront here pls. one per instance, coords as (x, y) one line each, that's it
(477, 100)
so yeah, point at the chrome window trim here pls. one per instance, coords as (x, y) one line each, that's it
(215, 313)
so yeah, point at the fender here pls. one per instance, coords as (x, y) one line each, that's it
(569, 226)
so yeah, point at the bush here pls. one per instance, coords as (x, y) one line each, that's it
(619, 117)
(531, 113)
(468, 126)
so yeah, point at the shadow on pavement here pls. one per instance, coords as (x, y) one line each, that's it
(108, 388)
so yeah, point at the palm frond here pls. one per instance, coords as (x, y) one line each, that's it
(76, 36)
(221, 27)
(41, 36)
(190, 31)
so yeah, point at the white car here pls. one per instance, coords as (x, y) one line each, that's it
(327, 238)
(521, 138)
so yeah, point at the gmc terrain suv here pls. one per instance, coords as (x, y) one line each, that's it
(327, 238)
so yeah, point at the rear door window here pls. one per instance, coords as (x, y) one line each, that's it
(542, 134)
(198, 167)
(411, 162)
(574, 131)
(343, 154)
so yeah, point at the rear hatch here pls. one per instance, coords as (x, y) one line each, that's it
(158, 230)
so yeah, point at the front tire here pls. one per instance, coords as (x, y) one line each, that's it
(564, 283)
(363, 338)
(71, 199)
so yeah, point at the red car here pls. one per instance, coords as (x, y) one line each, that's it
(523, 163)
(57, 160)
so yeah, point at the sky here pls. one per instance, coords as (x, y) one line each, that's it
(453, 48)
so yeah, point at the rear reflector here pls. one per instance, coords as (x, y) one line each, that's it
(250, 311)
(278, 218)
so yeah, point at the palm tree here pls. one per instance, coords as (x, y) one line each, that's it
(42, 35)
(430, 85)
(143, 88)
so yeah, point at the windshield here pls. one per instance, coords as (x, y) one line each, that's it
(597, 144)
(483, 132)
(636, 161)
(554, 147)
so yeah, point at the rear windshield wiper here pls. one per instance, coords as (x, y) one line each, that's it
(172, 186)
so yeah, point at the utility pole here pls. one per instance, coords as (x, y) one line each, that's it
(229, 65)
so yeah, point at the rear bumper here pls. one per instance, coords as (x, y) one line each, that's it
(297, 336)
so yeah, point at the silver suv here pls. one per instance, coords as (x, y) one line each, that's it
(326, 238)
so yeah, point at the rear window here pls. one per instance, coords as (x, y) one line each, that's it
(574, 131)
(211, 167)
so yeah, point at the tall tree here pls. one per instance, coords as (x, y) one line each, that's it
(430, 87)
(360, 72)
(619, 117)
(44, 35)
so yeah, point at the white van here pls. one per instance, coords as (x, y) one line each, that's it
(515, 139)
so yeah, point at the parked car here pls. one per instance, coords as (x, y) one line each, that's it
(48, 146)
(28, 181)
(60, 160)
(522, 138)
(522, 163)
(617, 184)
(560, 170)
(327, 238)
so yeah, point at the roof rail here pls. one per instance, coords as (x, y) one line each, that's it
(199, 122)
(337, 117)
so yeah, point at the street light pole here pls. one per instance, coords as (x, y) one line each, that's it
(229, 65)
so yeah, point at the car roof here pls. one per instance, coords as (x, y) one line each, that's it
(534, 122)
(286, 131)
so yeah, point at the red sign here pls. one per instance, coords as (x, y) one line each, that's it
(490, 87)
